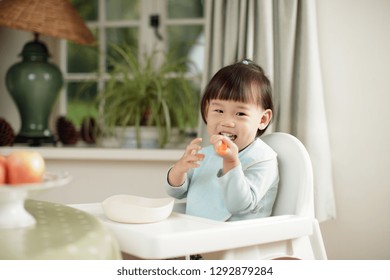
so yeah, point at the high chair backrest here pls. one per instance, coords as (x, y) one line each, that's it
(295, 193)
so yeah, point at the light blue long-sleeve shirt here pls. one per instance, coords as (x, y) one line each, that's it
(247, 191)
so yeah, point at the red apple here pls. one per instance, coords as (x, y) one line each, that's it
(25, 167)
(3, 170)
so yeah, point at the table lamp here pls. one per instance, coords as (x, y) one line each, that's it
(34, 83)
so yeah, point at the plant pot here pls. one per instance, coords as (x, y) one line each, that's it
(127, 137)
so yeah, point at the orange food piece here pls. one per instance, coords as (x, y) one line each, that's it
(222, 149)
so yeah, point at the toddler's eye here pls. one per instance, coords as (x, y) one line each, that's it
(241, 114)
(218, 111)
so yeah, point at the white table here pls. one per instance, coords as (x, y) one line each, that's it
(181, 235)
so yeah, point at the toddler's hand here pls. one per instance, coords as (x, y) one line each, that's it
(191, 157)
(224, 147)
(189, 160)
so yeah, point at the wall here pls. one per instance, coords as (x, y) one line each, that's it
(98, 173)
(355, 50)
(95, 180)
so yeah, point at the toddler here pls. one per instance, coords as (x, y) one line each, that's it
(236, 177)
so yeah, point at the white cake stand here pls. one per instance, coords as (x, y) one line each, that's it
(12, 197)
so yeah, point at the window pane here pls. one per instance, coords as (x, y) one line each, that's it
(182, 106)
(185, 9)
(122, 9)
(88, 9)
(121, 37)
(82, 59)
(81, 101)
(186, 42)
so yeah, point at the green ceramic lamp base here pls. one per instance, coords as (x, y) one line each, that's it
(34, 84)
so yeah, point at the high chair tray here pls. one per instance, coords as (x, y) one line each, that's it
(180, 234)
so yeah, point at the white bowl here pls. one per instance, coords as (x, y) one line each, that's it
(135, 209)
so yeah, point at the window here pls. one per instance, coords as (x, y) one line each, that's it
(142, 24)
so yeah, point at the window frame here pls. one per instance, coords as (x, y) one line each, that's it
(147, 38)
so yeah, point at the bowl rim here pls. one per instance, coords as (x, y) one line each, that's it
(141, 201)
(50, 180)
(140, 213)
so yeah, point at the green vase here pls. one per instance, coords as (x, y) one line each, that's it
(34, 84)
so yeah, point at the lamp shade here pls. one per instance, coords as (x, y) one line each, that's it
(57, 18)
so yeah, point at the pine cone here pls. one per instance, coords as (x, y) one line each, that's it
(67, 132)
(89, 130)
(7, 134)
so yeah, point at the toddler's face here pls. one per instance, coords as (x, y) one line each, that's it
(236, 120)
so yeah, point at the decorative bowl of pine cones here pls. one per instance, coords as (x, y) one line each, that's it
(7, 134)
(69, 135)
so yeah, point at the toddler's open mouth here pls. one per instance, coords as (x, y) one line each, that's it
(232, 137)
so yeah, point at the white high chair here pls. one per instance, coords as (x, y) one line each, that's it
(292, 231)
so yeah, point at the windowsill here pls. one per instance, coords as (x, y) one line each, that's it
(95, 153)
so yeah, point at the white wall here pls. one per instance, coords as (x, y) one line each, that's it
(96, 180)
(355, 48)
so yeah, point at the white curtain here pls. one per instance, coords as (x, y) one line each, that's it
(281, 36)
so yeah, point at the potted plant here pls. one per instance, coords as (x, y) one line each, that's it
(140, 94)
